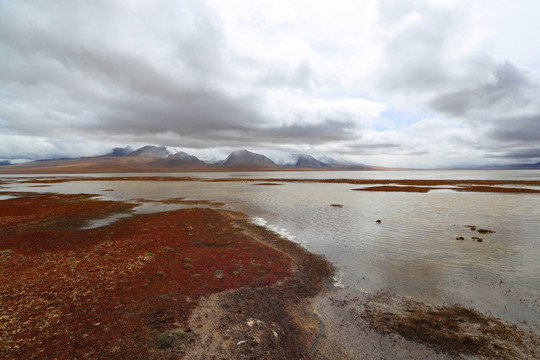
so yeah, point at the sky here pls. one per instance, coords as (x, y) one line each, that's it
(381, 82)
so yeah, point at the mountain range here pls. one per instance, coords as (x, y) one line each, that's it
(160, 159)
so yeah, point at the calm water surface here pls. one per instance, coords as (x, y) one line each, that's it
(413, 252)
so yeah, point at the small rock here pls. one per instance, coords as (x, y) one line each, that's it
(378, 221)
(275, 334)
(460, 238)
(336, 205)
(485, 231)
(240, 342)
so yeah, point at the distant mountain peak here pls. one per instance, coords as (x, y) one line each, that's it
(119, 151)
(151, 151)
(305, 160)
(182, 156)
(247, 158)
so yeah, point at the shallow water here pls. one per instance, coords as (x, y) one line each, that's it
(413, 252)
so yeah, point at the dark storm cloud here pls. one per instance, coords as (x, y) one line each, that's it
(84, 74)
(324, 131)
(509, 90)
(517, 129)
(526, 154)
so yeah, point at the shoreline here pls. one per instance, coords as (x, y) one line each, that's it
(382, 185)
(292, 313)
(151, 285)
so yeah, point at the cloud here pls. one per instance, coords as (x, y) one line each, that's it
(526, 154)
(517, 129)
(81, 78)
(509, 89)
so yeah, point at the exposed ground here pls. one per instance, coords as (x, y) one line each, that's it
(204, 284)
(356, 325)
(127, 290)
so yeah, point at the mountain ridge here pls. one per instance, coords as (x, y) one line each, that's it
(152, 158)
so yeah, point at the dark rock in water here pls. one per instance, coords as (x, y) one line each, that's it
(472, 227)
(378, 221)
(485, 231)
(479, 239)
(460, 238)
(336, 205)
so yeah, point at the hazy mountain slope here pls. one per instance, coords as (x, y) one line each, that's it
(245, 158)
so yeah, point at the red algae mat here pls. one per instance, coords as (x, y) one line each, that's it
(110, 292)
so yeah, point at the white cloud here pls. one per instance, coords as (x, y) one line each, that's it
(273, 75)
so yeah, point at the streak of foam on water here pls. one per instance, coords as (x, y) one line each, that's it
(274, 228)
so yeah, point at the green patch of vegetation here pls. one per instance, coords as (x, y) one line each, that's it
(150, 254)
(163, 297)
(260, 279)
(167, 249)
(177, 338)
(195, 275)
(164, 340)
(161, 273)
(188, 266)
(187, 259)
(6, 252)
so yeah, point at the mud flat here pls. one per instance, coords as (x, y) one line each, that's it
(357, 325)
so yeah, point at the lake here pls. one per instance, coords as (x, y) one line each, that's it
(412, 252)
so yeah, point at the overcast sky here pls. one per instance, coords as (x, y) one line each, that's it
(389, 83)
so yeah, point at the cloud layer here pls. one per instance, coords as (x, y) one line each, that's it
(391, 83)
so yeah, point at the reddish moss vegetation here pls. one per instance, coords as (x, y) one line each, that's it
(397, 189)
(111, 292)
(497, 189)
(53, 211)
